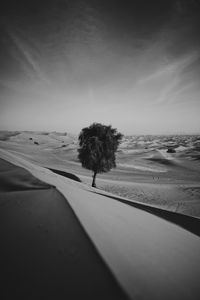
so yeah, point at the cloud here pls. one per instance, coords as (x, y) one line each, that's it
(173, 68)
(27, 61)
(172, 77)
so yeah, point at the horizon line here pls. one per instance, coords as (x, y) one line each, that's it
(125, 134)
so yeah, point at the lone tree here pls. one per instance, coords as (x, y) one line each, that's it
(98, 144)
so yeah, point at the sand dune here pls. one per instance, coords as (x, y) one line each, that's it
(149, 257)
(144, 173)
(45, 252)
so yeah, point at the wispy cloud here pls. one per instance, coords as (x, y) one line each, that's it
(31, 65)
(173, 76)
(173, 68)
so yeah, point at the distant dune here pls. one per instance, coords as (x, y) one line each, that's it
(5, 135)
(145, 171)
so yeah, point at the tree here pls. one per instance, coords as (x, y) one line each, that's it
(98, 144)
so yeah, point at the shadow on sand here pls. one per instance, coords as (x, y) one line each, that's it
(66, 174)
(189, 223)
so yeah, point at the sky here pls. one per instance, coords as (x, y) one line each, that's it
(132, 64)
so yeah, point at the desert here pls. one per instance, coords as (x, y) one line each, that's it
(145, 171)
(142, 219)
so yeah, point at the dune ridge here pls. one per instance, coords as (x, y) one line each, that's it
(46, 252)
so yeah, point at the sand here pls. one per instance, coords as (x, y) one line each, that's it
(145, 173)
(149, 257)
(45, 252)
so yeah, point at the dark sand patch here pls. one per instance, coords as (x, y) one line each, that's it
(5, 135)
(13, 178)
(66, 174)
(162, 161)
(45, 252)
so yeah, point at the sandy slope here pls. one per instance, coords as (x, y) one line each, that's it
(45, 253)
(150, 257)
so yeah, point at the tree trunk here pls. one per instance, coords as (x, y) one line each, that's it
(94, 178)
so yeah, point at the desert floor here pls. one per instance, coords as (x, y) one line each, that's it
(60, 238)
(169, 181)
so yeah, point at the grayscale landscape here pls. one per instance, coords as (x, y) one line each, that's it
(99, 149)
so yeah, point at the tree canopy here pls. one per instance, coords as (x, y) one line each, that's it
(98, 144)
